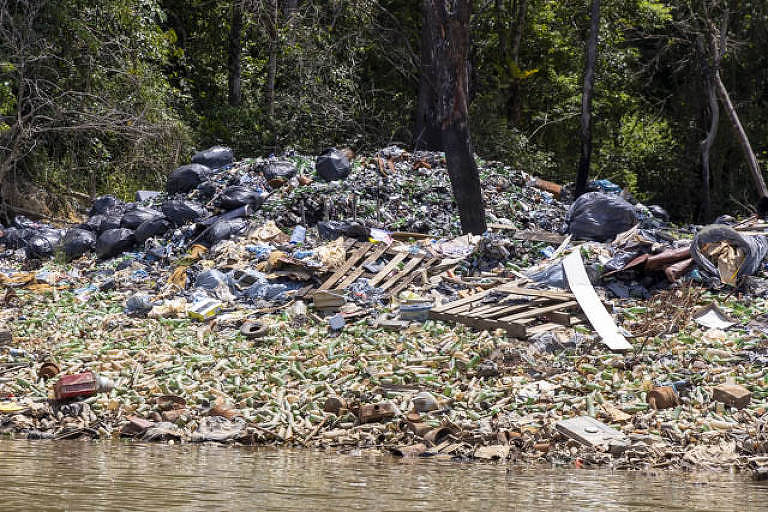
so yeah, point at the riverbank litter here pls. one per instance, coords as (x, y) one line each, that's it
(259, 302)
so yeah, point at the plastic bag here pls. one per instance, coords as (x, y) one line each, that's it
(216, 284)
(268, 292)
(151, 228)
(279, 169)
(222, 230)
(206, 190)
(15, 238)
(600, 217)
(186, 178)
(113, 242)
(42, 243)
(181, 212)
(78, 242)
(237, 196)
(138, 214)
(102, 204)
(331, 230)
(754, 249)
(214, 157)
(138, 305)
(553, 276)
(332, 165)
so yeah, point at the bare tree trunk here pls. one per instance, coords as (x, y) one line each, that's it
(586, 102)
(516, 103)
(272, 65)
(719, 48)
(714, 121)
(427, 135)
(235, 48)
(291, 6)
(450, 47)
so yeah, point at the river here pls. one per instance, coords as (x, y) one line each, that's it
(114, 476)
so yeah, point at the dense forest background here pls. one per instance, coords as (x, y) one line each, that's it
(110, 95)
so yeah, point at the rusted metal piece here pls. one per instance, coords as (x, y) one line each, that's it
(663, 397)
(666, 258)
(370, 413)
(334, 405)
(677, 270)
(438, 435)
(48, 370)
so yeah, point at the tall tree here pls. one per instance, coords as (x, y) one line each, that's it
(233, 55)
(272, 15)
(427, 135)
(448, 25)
(586, 102)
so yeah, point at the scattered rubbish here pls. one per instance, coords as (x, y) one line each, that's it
(732, 395)
(600, 217)
(589, 431)
(713, 317)
(81, 384)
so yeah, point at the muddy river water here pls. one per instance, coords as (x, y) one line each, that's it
(121, 476)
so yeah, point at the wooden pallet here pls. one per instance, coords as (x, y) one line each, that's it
(522, 312)
(400, 269)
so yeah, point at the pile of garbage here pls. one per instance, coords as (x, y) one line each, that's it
(325, 304)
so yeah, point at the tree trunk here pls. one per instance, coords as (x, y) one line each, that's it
(754, 167)
(235, 47)
(450, 50)
(291, 6)
(714, 121)
(586, 102)
(427, 134)
(272, 65)
(516, 99)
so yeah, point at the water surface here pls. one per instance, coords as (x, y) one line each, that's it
(77, 475)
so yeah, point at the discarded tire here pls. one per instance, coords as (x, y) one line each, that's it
(252, 330)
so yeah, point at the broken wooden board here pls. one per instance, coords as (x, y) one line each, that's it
(590, 303)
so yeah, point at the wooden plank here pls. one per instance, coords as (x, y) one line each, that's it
(359, 253)
(389, 267)
(504, 309)
(465, 300)
(535, 312)
(530, 292)
(413, 275)
(401, 275)
(375, 255)
(538, 329)
(591, 305)
(558, 317)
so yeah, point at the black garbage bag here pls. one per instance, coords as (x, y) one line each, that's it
(43, 243)
(237, 196)
(101, 222)
(146, 195)
(207, 190)
(332, 165)
(16, 238)
(153, 227)
(279, 169)
(77, 242)
(222, 230)
(755, 249)
(214, 157)
(331, 230)
(186, 178)
(659, 212)
(600, 217)
(181, 212)
(102, 204)
(133, 217)
(113, 242)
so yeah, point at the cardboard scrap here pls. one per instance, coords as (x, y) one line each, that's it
(590, 303)
(728, 259)
(713, 317)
